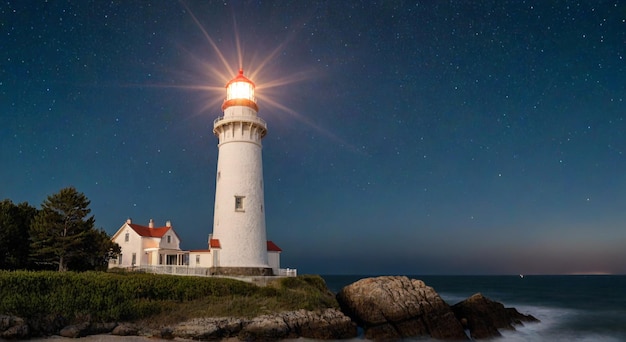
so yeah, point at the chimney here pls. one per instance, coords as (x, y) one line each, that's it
(168, 223)
(210, 237)
(151, 224)
(129, 220)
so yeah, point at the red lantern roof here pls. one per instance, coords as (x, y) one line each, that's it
(240, 78)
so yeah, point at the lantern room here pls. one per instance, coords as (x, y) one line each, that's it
(240, 92)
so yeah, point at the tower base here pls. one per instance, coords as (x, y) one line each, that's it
(241, 271)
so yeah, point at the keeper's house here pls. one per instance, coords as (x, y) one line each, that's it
(149, 247)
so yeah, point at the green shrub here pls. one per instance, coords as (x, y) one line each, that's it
(127, 296)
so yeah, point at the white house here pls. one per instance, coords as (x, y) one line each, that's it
(147, 245)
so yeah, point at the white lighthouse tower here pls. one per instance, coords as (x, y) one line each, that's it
(239, 219)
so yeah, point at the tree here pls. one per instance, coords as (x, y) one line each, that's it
(100, 248)
(63, 234)
(15, 221)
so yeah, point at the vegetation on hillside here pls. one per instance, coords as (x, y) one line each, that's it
(153, 299)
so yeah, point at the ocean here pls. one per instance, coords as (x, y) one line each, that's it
(570, 308)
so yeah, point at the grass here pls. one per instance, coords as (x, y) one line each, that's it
(157, 299)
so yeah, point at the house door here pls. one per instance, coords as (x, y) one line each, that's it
(216, 258)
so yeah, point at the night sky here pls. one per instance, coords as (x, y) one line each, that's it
(405, 137)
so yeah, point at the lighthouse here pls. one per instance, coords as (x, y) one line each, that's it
(238, 243)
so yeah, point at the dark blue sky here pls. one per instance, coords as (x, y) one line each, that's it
(405, 137)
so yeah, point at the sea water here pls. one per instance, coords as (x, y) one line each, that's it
(570, 308)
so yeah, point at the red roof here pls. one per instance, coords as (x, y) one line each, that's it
(149, 232)
(240, 78)
(215, 243)
(272, 247)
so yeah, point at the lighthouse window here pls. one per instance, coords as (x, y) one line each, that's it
(239, 203)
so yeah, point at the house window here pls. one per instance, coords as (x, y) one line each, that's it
(239, 203)
(126, 237)
(120, 260)
(197, 258)
(169, 239)
(134, 259)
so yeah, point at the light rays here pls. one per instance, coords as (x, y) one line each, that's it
(209, 39)
(258, 73)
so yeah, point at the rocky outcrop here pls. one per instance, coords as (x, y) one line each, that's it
(13, 328)
(125, 329)
(483, 317)
(397, 307)
(319, 325)
(209, 328)
(326, 324)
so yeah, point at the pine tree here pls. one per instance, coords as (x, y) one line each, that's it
(61, 228)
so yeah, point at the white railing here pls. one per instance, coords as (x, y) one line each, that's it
(176, 270)
(287, 272)
(199, 271)
(244, 118)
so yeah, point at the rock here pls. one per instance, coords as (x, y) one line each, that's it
(326, 324)
(483, 317)
(321, 325)
(166, 333)
(47, 325)
(266, 328)
(397, 307)
(12, 327)
(75, 331)
(125, 329)
(208, 328)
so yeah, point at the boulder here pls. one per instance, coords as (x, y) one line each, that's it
(12, 327)
(125, 329)
(210, 328)
(75, 330)
(394, 307)
(483, 317)
(47, 325)
(321, 325)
